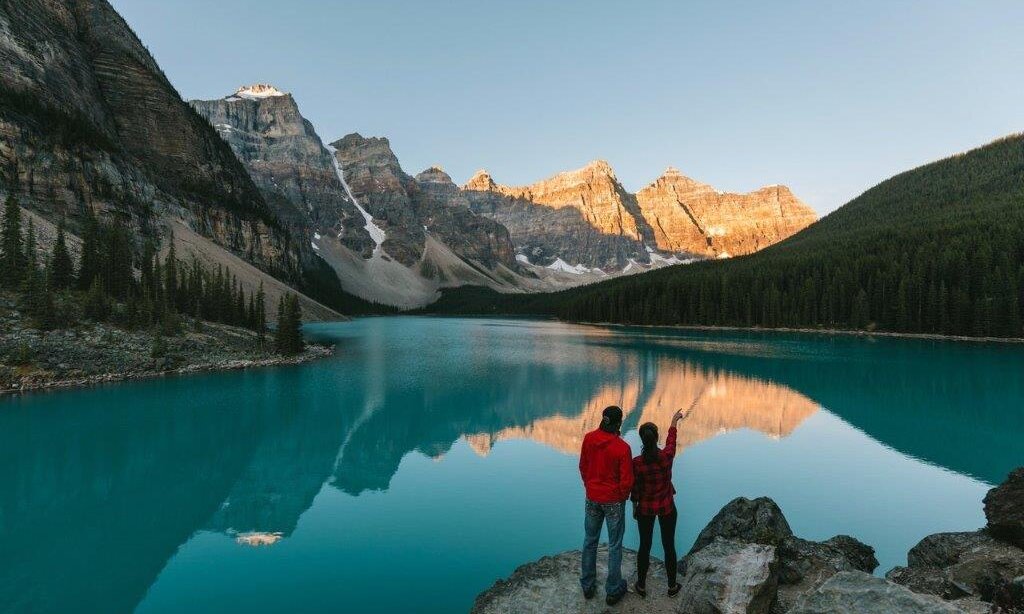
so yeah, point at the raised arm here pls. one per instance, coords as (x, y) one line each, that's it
(670, 440)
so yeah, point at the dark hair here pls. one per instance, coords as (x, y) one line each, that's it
(649, 437)
(611, 419)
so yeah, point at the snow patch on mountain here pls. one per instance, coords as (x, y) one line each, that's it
(565, 267)
(376, 232)
(257, 91)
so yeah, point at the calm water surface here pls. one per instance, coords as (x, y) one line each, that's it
(431, 456)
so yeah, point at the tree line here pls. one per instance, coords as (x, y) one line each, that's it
(937, 250)
(112, 283)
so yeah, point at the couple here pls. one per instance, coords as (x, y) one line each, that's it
(611, 475)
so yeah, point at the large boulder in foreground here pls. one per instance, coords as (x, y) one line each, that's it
(855, 592)
(956, 565)
(729, 577)
(805, 565)
(1004, 509)
(750, 521)
(551, 585)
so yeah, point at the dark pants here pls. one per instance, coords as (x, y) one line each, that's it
(668, 542)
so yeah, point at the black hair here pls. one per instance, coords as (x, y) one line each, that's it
(611, 419)
(649, 437)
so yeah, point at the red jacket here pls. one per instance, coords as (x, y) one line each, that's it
(606, 465)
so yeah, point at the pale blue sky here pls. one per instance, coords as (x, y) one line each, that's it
(827, 97)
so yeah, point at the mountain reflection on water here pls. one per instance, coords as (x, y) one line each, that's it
(100, 488)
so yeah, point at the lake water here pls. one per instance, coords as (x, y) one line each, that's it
(430, 457)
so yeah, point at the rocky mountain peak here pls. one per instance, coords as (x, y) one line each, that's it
(480, 181)
(679, 182)
(435, 174)
(600, 166)
(258, 91)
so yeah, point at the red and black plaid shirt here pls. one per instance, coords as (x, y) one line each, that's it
(652, 486)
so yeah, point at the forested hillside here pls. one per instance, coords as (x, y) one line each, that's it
(938, 249)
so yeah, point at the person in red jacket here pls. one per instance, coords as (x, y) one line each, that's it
(606, 467)
(652, 500)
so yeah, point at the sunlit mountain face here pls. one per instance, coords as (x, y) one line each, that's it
(258, 490)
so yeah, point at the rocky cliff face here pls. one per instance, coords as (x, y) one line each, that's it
(689, 216)
(586, 218)
(88, 120)
(583, 217)
(288, 162)
(409, 209)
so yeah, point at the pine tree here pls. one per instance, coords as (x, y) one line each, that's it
(97, 305)
(288, 337)
(261, 316)
(33, 284)
(12, 269)
(61, 269)
(171, 276)
(89, 264)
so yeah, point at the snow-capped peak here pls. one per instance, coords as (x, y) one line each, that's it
(258, 91)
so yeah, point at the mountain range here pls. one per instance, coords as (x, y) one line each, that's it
(937, 250)
(397, 239)
(89, 123)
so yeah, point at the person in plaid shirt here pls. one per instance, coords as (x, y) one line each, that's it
(652, 499)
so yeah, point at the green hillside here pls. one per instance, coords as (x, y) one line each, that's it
(938, 249)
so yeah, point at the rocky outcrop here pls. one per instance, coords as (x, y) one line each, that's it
(983, 565)
(1004, 509)
(748, 560)
(805, 565)
(693, 217)
(89, 121)
(551, 585)
(289, 163)
(802, 565)
(585, 217)
(956, 565)
(730, 576)
(855, 592)
(758, 521)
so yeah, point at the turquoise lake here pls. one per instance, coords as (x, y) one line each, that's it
(430, 457)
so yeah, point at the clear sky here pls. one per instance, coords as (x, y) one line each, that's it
(827, 97)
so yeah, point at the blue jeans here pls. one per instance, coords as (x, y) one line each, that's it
(598, 514)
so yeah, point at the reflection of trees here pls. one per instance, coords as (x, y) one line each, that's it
(96, 495)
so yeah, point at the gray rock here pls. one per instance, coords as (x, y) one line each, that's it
(1004, 509)
(805, 565)
(855, 592)
(927, 581)
(551, 586)
(944, 549)
(858, 554)
(729, 577)
(953, 565)
(757, 521)
(1009, 598)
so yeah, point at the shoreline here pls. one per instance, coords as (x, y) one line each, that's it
(746, 329)
(815, 331)
(311, 353)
